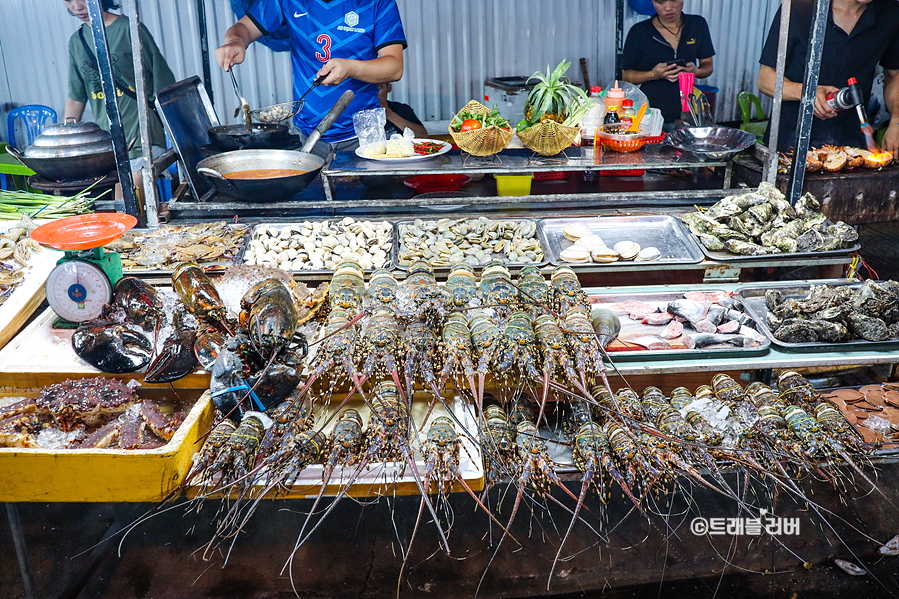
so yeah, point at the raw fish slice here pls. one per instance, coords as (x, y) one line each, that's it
(704, 326)
(625, 308)
(731, 326)
(672, 331)
(750, 332)
(709, 297)
(701, 340)
(658, 318)
(688, 309)
(650, 342)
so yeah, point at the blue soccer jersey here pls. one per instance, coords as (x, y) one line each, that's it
(322, 30)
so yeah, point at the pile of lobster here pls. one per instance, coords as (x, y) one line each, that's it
(510, 348)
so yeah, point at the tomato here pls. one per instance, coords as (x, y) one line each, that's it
(470, 125)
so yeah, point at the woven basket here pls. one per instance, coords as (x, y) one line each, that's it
(482, 142)
(548, 138)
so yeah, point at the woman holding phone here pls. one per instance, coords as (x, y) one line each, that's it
(663, 46)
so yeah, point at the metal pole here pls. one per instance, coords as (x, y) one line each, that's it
(807, 104)
(770, 174)
(18, 539)
(204, 49)
(619, 37)
(151, 193)
(119, 144)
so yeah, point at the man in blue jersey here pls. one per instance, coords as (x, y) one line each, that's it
(356, 44)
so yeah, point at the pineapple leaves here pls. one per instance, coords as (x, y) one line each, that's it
(553, 97)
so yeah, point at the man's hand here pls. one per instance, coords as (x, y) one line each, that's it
(666, 71)
(891, 138)
(822, 108)
(230, 54)
(690, 68)
(337, 69)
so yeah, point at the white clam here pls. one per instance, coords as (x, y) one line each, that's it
(649, 254)
(628, 250)
(574, 231)
(575, 254)
(604, 255)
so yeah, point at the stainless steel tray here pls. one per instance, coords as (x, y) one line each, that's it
(238, 260)
(220, 264)
(753, 299)
(632, 328)
(725, 256)
(510, 265)
(666, 233)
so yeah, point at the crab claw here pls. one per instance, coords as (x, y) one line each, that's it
(111, 346)
(176, 360)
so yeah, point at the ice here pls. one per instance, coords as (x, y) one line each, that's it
(878, 424)
(714, 412)
(53, 438)
(133, 384)
(748, 414)
(7, 401)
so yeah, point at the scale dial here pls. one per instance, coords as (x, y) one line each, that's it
(78, 290)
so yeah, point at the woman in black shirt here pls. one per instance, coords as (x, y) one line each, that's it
(654, 46)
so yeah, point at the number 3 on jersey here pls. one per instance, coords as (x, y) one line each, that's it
(325, 54)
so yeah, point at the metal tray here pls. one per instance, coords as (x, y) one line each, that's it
(753, 299)
(510, 265)
(632, 328)
(666, 233)
(238, 260)
(724, 256)
(214, 264)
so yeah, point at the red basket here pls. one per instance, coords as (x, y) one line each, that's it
(628, 173)
(655, 140)
(549, 176)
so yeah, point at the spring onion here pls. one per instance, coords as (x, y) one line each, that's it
(13, 204)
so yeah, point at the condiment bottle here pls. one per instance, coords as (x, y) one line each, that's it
(593, 119)
(627, 114)
(614, 98)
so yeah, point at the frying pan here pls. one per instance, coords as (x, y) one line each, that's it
(236, 137)
(215, 168)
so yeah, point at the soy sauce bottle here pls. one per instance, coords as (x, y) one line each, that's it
(611, 118)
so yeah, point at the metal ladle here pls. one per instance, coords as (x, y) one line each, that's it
(243, 103)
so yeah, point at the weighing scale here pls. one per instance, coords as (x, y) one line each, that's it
(83, 280)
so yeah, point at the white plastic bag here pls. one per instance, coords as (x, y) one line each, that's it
(400, 146)
(369, 127)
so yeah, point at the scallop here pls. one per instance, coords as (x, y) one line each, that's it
(628, 250)
(649, 254)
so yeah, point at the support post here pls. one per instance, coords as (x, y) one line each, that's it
(807, 103)
(619, 37)
(119, 144)
(204, 49)
(151, 193)
(770, 174)
(18, 540)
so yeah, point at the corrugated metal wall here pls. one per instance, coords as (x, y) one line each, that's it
(454, 45)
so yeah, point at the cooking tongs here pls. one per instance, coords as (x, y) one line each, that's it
(243, 103)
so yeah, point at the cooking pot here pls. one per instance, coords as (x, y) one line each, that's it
(215, 168)
(69, 151)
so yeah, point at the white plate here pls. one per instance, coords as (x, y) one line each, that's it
(444, 194)
(446, 148)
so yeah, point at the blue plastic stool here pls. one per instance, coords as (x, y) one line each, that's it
(34, 116)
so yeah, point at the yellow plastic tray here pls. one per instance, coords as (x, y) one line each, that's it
(89, 475)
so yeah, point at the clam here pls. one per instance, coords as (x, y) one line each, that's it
(592, 241)
(604, 255)
(575, 231)
(628, 250)
(649, 254)
(576, 254)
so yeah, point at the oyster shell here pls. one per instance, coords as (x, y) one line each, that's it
(710, 241)
(868, 328)
(745, 248)
(810, 241)
(798, 332)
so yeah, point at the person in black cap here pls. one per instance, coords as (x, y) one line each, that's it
(859, 35)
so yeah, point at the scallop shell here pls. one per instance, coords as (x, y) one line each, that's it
(649, 254)
(628, 250)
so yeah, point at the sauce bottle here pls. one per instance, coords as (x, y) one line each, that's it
(627, 114)
(614, 98)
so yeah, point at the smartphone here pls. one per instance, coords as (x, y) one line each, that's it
(680, 62)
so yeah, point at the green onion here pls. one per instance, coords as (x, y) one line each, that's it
(13, 204)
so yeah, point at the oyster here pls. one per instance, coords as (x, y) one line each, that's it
(876, 301)
(810, 241)
(762, 212)
(773, 299)
(710, 241)
(846, 233)
(868, 328)
(745, 248)
(829, 331)
(798, 332)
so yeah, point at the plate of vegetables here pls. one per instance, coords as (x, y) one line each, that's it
(423, 148)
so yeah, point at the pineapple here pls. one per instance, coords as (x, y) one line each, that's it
(554, 97)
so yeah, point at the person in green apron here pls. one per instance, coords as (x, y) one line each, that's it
(84, 76)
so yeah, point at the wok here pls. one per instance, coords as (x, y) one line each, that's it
(72, 168)
(215, 168)
(710, 143)
(236, 137)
